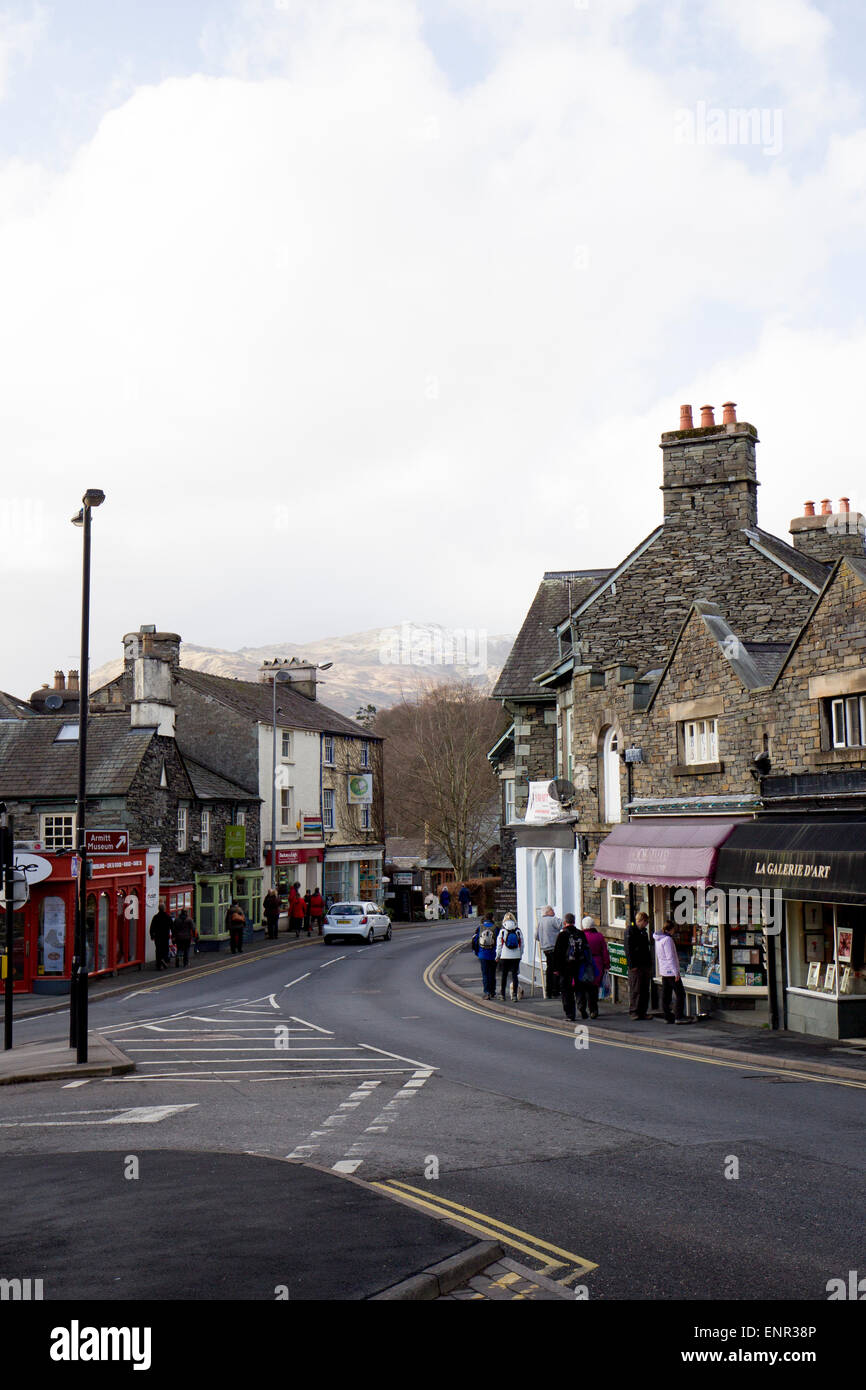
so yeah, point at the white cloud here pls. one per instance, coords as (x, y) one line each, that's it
(345, 343)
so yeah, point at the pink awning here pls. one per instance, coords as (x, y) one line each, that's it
(661, 852)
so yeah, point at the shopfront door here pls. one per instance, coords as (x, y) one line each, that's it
(22, 965)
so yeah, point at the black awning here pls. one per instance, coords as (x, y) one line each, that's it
(812, 861)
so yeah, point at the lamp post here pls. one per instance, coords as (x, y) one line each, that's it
(93, 497)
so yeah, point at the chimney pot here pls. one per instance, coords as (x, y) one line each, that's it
(59, 680)
(73, 681)
(707, 417)
(844, 504)
(808, 508)
(729, 412)
(826, 506)
(686, 417)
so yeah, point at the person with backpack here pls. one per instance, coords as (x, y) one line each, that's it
(484, 946)
(572, 960)
(509, 949)
(600, 961)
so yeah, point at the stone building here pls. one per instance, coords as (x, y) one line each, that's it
(707, 562)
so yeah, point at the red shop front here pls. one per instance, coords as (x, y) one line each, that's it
(44, 932)
(288, 869)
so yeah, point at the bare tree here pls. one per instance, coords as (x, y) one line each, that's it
(438, 781)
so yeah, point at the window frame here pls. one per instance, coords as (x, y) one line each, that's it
(701, 746)
(328, 808)
(68, 842)
(329, 751)
(182, 829)
(204, 840)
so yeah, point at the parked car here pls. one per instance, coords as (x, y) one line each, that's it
(363, 920)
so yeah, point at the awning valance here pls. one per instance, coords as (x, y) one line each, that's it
(663, 852)
(809, 861)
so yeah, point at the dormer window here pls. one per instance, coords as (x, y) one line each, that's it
(68, 733)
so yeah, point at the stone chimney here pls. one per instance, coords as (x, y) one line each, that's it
(72, 686)
(59, 680)
(830, 534)
(709, 477)
(151, 658)
(300, 675)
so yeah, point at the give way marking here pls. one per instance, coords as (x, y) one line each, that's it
(132, 1115)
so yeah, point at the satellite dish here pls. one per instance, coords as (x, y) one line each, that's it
(54, 702)
(562, 791)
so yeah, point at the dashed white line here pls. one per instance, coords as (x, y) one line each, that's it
(297, 981)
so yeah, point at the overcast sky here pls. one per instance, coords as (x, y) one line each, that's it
(367, 310)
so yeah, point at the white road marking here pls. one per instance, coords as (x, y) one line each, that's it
(297, 981)
(71, 1085)
(136, 1115)
(427, 1069)
(314, 1026)
(347, 1165)
(331, 962)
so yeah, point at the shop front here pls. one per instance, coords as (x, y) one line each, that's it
(547, 873)
(815, 873)
(302, 866)
(720, 940)
(44, 927)
(354, 874)
(212, 896)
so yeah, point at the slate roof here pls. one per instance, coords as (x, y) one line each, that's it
(536, 646)
(33, 765)
(210, 786)
(399, 847)
(812, 570)
(256, 699)
(13, 708)
(768, 658)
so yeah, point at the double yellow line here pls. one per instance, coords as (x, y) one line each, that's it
(552, 1258)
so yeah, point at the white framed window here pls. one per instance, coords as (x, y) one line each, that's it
(287, 753)
(611, 771)
(205, 832)
(286, 818)
(365, 754)
(510, 797)
(700, 741)
(569, 741)
(67, 733)
(181, 827)
(240, 818)
(848, 721)
(328, 751)
(58, 831)
(327, 809)
(365, 817)
(616, 902)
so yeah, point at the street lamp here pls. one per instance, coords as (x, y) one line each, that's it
(93, 497)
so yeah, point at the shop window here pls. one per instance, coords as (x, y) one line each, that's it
(205, 832)
(825, 948)
(700, 741)
(134, 937)
(58, 832)
(848, 721)
(103, 933)
(52, 936)
(611, 776)
(368, 880)
(287, 753)
(90, 930)
(328, 809)
(328, 751)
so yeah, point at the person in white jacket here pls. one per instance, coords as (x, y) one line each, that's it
(669, 969)
(509, 949)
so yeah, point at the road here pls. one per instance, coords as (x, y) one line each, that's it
(625, 1172)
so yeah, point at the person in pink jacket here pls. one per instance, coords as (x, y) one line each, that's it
(600, 961)
(669, 969)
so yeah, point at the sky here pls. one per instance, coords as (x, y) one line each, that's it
(364, 311)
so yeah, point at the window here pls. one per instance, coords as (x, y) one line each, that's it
(205, 832)
(510, 788)
(58, 832)
(181, 827)
(67, 733)
(286, 819)
(328, 753)
(287, 754)
(569, 741)
(240, 818)
(365, 754)
(615, 902)
(327, 809)
(365, 817)
(611, 771)
(700, 741)
(848, 721)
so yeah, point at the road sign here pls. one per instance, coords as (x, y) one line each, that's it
(106, 841)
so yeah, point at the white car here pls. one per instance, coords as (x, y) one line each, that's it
(364, 920)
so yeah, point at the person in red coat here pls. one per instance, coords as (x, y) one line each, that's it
(317, 910)
(297, 909)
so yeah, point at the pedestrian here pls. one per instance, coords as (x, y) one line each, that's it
(484, 946)
(297, 910)
(160, 935)
(464, 897)
(600, 961)
(235, 923)
(669, 969)
(271, 912)
(182, 931)
(509, 949)
(549, 927)
(638, 955)
(317, 910)
(307, 897)
(572, 960)
(445, 901)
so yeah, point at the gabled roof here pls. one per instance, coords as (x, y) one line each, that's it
(210, 786)
(536, 646)
(415, 852)
(256, 699)
(853, 562)
(13, 708)
(754, 663)
(32, 764)
(610, 577)
(811, 572)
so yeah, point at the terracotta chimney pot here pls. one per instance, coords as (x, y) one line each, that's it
(707, 417)
(844, 504)
(59, 680)
(686, 417)
(73, 681)
(809, 509)
(826, 506)
(729, 412)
